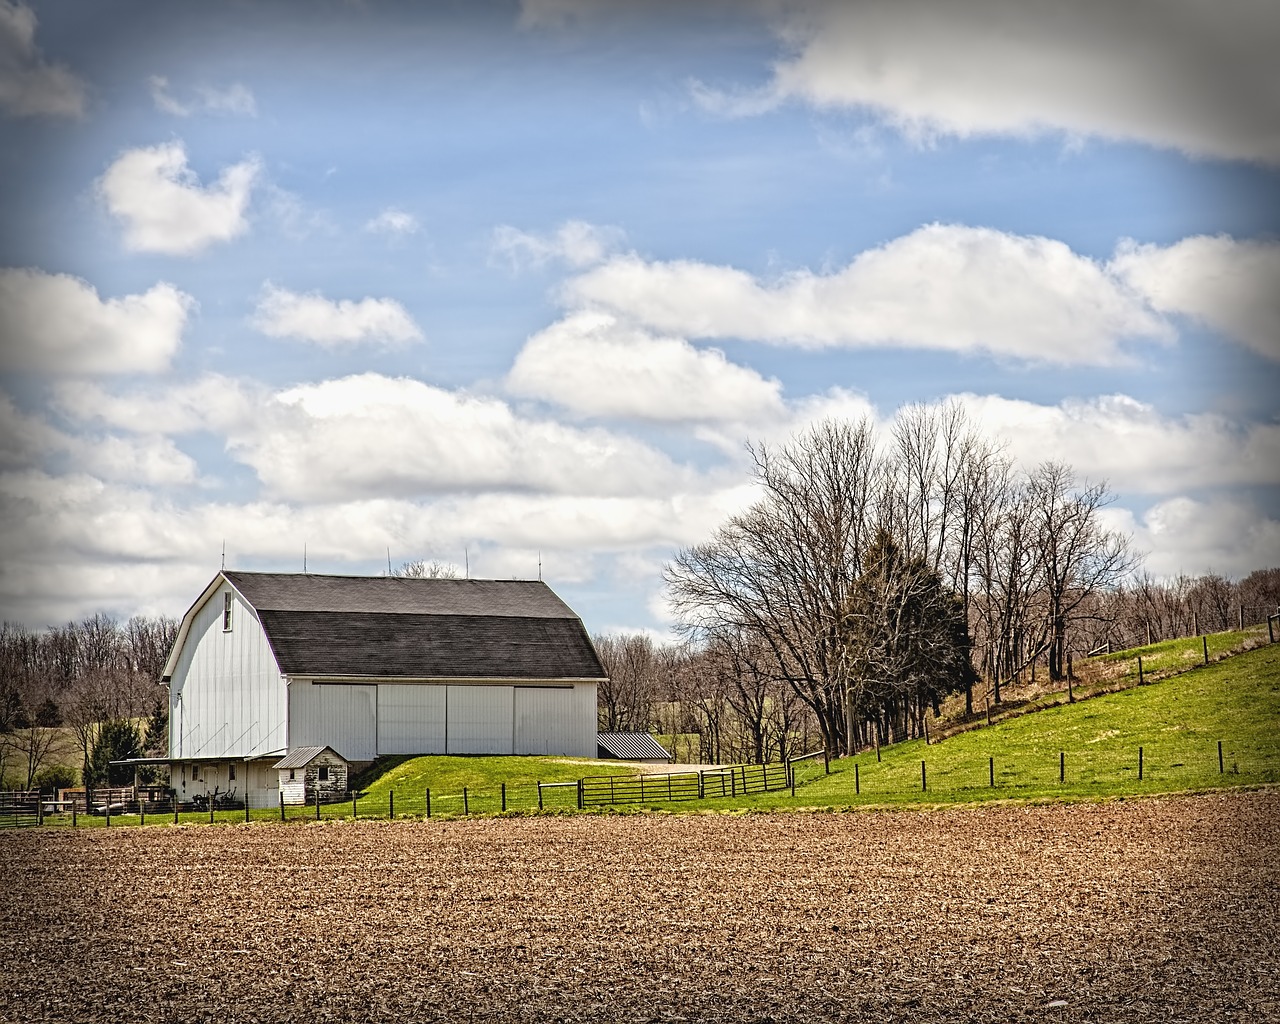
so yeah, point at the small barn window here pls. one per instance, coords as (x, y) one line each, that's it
(195, 774)
(231, 772)
(292, 775)
(226, 612)
(323, 776)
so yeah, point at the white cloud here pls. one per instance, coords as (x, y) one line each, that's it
(1222, 534)
(311, 317)
(393, 221)
(1232, 286)
(1132, 444)
(593, 365)
(945, 287)
(151, 460)
(28, 85)
(371, 434)
(1201, 78)
(56, 323)
(575, 242)
(235, 98)
(209, 403)
(164, 208)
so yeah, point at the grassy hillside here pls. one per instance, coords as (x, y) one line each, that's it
(1177, 723)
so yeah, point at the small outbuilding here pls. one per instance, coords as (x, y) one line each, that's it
(631, 746)
(308, 771)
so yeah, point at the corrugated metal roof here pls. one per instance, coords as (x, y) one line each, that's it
(310, 592)
(300, 757)
(631, 746)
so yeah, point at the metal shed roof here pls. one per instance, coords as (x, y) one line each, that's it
(631, 746)
(303, 756)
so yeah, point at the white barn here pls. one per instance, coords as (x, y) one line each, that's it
(266, 663)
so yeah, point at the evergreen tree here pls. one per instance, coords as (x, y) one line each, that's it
(116, 740)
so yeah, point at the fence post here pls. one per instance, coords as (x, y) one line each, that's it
(580, 794)
(733, 782)
(504, 796)
(1205, 641)
(793, 781)
(878, 733)
(428, 801)
(282, 805)
(1219, 757)
(73, 812)
(1062, 766)
(1141, 679)
(924, 782)
(857, 782)
(1139, 764)
(539, 794)
(142, 813)
(211, 807)
(317, 803)
(353, 805)
(991, 771)
(107, 804)
(701, 789)
(391, 805)
(826, 761)
(466, 804)
(175, 808)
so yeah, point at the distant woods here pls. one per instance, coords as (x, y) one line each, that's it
(95, 681)
(875, 576)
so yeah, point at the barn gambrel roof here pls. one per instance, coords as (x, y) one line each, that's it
(388, 627)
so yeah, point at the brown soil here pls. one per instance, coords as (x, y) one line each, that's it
(1161, 910)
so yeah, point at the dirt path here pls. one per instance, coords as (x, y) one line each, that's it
(1159, 910)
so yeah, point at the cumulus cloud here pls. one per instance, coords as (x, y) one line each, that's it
(29, 86)
(393, 221)
(575, 243)
(1131, 443)
(1231, 286)
(945, 287)
(1201, 78)
(594, 365)
(235, 98)
(165, 209)
(1223, 534)
(56, 323)
(212, 403)
(311, 317)
(398, 436)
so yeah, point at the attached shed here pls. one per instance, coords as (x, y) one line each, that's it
(630, 746)
(306, 771)
(267, 663)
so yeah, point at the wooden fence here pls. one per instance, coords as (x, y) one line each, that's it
(19, 809)
(732, 781)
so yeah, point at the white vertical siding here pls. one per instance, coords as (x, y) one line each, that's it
(480, 719)
(226, 696)
(556, 720)
(411, 719)
(339, 715)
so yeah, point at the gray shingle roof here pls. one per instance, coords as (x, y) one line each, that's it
(630, 746)
(310, 592)
(385, 627)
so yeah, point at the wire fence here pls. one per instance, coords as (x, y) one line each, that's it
(810, 779)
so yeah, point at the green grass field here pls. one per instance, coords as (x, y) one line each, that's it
(1178, 724)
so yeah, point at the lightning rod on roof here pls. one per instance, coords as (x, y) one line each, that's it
(304, 556)
(466, 561)
(539, 566)
(389, 572)
(224, 552)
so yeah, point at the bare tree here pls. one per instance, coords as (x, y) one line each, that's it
(1079, 558)
(428, 570)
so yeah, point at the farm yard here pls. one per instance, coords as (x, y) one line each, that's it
(1155, 909)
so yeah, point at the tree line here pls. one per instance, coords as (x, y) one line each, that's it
(876, 575)
(96, 681)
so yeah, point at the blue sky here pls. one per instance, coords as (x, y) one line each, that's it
(520, 280)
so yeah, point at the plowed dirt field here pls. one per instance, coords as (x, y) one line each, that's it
(1161, 910)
